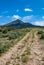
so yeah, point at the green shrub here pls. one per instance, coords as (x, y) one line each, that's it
(42, 36)
(12, 36)
(24, 58)
(4, 31)
(5, 46)
(40, 32)
(0, 30)
(15, 35)
(17, 64)
(3, 35)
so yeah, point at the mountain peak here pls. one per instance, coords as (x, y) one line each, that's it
(18, 20)
(19, 23)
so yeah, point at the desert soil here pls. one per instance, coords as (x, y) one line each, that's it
(36, 56)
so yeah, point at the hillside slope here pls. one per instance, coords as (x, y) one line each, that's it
(19, 23)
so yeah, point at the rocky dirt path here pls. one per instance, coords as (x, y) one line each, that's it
(36, 52)
(13, 51)
(28, 47)
(22, 50)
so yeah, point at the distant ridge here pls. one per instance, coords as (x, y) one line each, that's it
(19, 23)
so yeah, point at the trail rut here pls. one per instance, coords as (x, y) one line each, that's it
(6, 57)
(36, 55)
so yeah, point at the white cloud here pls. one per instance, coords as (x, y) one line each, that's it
(43, 17)
(28, 9)
(40, 23)
(16, 17)
(27, 18)
(32, 19)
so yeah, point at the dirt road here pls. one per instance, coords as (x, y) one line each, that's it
(13, 51)
(36, 52)
(27, 52)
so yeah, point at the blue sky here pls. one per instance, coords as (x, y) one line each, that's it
(26, 10)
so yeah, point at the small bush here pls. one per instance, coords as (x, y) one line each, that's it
(42, 36)
(17, 64)
(4, 31)
(3, 35)
(0, 30)
(5, 46)
(24, 58)
(12, 36)
(40, 32)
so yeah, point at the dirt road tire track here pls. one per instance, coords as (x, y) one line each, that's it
(6, 57)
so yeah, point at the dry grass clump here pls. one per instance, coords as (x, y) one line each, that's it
(41, 34)
(24, 58)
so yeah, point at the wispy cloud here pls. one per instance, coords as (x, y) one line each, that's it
(28, 9)
(40, 23)
(16, 17)
(27, 18)
(33, 19)
(43, 17)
